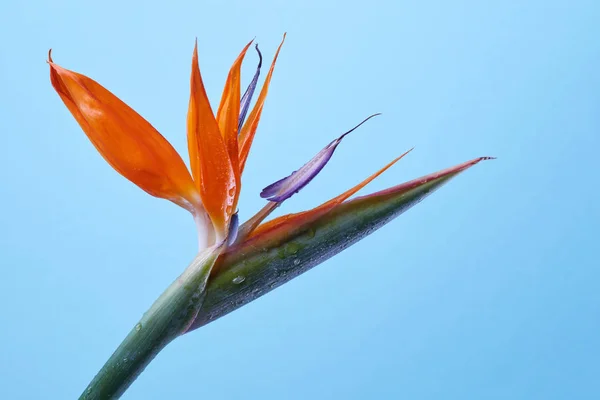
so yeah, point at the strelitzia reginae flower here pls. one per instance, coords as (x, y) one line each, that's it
(235, 264)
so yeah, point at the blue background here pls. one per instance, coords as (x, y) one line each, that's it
(487, 290)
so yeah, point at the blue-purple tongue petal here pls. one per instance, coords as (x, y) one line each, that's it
(247, 97)
(234, 225)
(285, 188)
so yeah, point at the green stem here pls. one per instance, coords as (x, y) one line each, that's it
(170, 316)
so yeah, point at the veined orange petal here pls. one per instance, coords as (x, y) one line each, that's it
(211, 167)
(228, 115)
(124, 138)
(290, 221)
(249, 128)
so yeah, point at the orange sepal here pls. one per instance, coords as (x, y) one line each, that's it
(251, 124)
(209, 159)
(228, 115)
(128, 142)
(290, 221)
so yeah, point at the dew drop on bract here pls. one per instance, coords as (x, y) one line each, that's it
(238, 279)
(138, 327)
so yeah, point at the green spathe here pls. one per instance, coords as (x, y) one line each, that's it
(261, 264)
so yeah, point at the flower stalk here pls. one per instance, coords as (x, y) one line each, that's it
(170, 316)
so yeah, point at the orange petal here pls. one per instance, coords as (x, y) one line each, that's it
(124, 138)
(249, 128)
(293, 220)
(228, 115)
(209, 158)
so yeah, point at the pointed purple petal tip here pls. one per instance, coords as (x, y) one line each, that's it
(247, 97)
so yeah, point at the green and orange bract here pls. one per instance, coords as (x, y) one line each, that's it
(218, 151)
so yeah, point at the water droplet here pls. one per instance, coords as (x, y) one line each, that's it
(296, 261)
(310, 233)
(138, 327)
(238, 279)
(125, 360)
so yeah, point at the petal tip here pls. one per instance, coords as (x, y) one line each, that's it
(357, 126)
(259, 56)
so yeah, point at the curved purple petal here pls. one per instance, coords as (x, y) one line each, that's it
(247, 97)
(285, 188)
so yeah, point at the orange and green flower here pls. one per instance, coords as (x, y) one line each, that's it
(235, 264)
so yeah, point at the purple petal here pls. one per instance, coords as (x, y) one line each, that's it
(285, 188)
(234, 225)
(247, 97)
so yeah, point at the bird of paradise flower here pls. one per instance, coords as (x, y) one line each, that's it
(218, 145)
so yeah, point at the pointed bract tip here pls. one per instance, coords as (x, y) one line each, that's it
(49, 61)
(479, 159)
